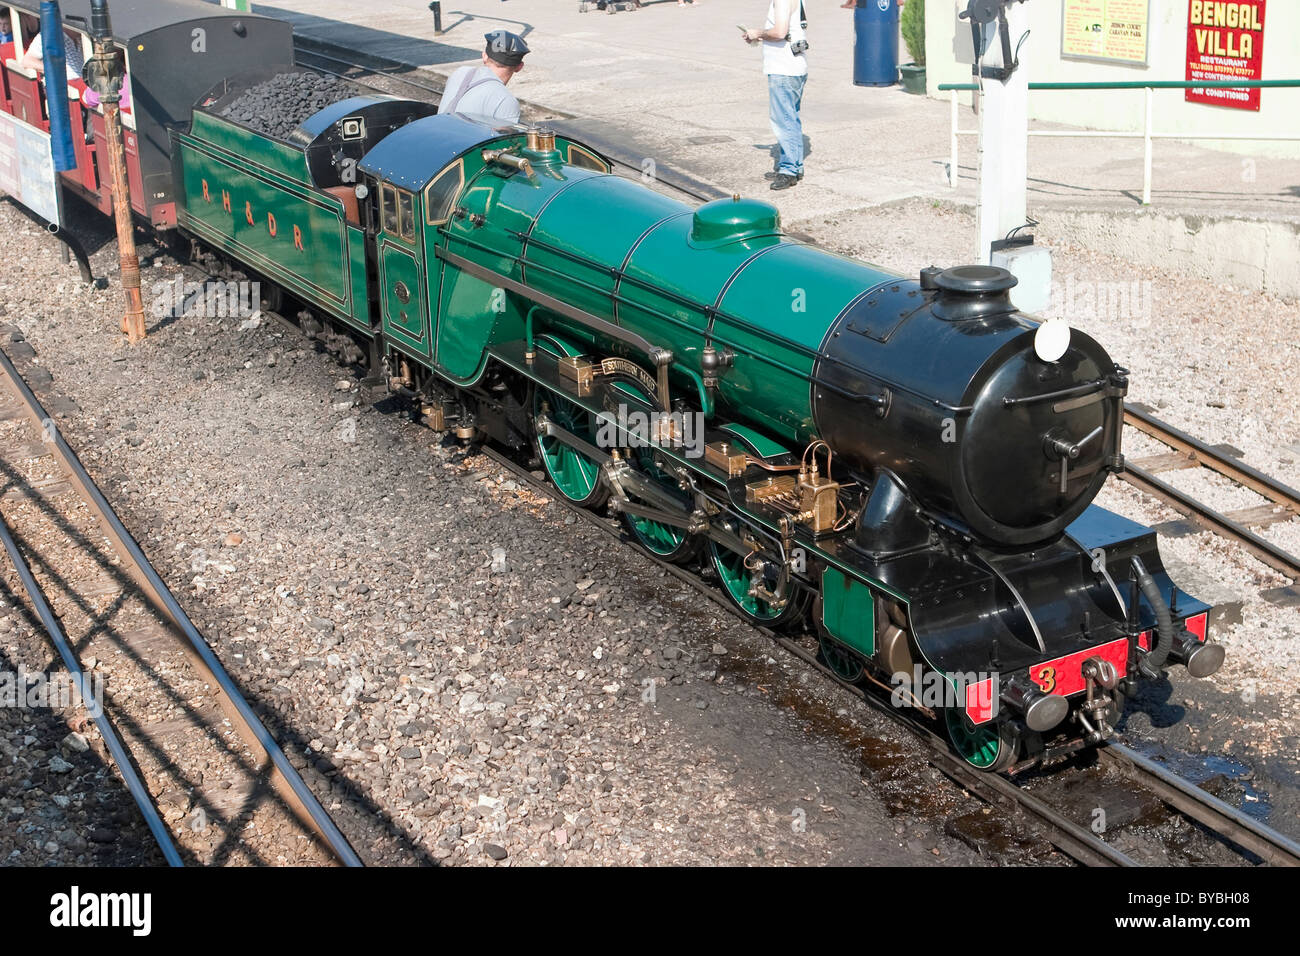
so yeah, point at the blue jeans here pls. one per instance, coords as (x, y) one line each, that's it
(785, 96)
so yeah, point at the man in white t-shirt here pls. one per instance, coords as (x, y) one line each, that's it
(481, 90)
(34, 58)
(786, 66)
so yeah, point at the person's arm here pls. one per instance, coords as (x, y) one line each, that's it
(780, 25)
(34, 57)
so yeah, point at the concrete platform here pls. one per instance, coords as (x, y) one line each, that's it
(678, 86)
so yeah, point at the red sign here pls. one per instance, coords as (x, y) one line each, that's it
(1225, 41)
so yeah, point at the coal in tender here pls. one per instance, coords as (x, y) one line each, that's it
(278, 106)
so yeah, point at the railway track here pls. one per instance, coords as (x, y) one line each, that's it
(312, 55)
(211, 782)
(1282, 503)
(1242, 830)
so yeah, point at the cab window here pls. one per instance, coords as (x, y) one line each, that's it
(406, 215)
(388, 197)
(398, 211)
(442, 193)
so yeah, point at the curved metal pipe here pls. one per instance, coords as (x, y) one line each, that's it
(1156, 657)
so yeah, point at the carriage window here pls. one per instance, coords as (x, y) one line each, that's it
(406, 215)
(388, 197)
(586, 159)
(442, 192)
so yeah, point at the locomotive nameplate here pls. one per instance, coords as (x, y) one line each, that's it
(621, 366)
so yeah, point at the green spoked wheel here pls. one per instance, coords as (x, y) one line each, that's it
(574, 475)
(988, 747)
(735, 577)
(845, 663)
(662, 540)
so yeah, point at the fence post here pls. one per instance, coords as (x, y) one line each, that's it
(1146, 138)
(952, 146)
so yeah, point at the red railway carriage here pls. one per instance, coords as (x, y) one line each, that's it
(175, 51)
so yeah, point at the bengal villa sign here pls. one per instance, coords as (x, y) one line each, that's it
(1225, 41)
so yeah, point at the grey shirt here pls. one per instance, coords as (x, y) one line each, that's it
(481, 94)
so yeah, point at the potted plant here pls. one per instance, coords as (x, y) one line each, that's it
(913, 27)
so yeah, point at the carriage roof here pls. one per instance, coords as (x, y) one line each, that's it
(136, 18)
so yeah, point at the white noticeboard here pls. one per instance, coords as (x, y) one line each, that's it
(27, 167)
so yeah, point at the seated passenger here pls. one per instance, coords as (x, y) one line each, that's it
(34, 58)
(91, 98)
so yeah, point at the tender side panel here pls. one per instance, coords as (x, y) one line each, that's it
(293, 234)
(223, 135)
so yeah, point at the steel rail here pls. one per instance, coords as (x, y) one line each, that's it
(134, 785)
(309, 49)
(1243, 474)
(1245, 831)
(1263, 549)
(293, 788)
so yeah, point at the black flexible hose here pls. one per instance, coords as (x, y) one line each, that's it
(1156, 657)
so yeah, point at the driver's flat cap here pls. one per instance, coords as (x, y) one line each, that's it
(505, 47)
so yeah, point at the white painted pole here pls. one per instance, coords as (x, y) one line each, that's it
(952, 146)
(1146, 160)
(1004, 141)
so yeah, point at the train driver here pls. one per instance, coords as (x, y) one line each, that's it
(481, 90)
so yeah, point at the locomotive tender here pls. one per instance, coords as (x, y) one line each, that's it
(907, 465)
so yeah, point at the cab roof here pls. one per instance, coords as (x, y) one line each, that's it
(412, 156)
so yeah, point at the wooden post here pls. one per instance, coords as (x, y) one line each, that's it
(106, 71)
(133, 320)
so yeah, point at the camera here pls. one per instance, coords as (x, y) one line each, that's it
(799, 47)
